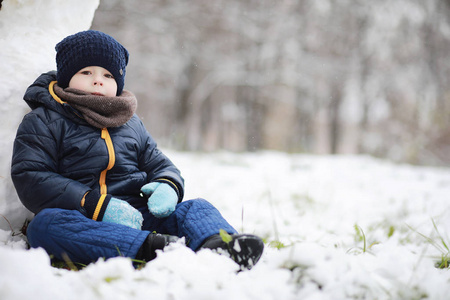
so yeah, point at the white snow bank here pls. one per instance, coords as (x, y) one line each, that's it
(29, 31)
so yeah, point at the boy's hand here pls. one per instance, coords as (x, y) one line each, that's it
(162, 198)
(121, 212)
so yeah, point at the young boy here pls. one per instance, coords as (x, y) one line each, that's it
(86, 166)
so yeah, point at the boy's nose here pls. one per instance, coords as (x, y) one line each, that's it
(98, 80)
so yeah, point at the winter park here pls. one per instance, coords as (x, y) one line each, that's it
(321, 127)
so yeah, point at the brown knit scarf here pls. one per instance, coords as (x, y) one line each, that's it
(100, 111)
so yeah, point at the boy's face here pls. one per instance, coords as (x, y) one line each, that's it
(95, 80)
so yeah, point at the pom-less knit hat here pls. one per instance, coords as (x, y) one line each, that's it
(90, 48)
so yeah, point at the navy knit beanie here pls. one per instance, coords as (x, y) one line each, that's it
(90, 48)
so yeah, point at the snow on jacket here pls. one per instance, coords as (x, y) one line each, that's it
(58, 158)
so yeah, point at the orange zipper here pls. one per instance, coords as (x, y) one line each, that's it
(112, 159)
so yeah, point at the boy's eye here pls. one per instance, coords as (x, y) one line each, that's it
(85, 72)
(109, 76)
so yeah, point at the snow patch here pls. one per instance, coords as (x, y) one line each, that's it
(346, 227)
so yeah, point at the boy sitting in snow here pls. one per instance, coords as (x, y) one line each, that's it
(86, 166)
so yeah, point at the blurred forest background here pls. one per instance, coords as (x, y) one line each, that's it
(301, 76)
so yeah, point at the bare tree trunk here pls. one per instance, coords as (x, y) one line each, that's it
(334, 117)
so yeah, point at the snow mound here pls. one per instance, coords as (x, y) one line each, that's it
(29, 31)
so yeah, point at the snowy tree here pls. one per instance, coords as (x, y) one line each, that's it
(316, 76)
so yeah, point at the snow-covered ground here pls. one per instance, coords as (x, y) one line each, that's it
(348, 227)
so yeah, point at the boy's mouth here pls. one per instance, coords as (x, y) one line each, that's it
(97, 94)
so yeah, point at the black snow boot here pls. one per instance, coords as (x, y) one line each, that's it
(244, 249)
(153, 242)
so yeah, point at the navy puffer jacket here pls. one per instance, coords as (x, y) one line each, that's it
(58, 158)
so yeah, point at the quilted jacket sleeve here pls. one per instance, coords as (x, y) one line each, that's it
(157, 165)
(34, 169)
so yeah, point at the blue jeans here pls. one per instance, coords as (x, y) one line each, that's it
(83, 240)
